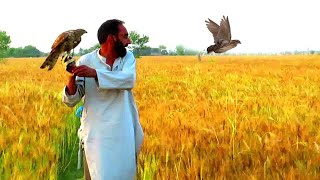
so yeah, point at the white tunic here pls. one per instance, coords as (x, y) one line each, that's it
(110, 126)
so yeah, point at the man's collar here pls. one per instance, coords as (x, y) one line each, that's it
(103, 59)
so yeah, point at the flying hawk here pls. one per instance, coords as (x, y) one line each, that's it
(221, 35)
(64, 43)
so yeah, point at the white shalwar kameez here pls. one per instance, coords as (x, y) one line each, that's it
(110, 127)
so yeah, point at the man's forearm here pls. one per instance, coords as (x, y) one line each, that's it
(71, 85)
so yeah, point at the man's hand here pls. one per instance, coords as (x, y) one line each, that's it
(70, 67)
(70, 62)
(84, 71)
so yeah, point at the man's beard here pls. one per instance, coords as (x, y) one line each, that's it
(120, 48)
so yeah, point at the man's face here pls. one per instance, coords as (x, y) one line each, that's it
(122, 41)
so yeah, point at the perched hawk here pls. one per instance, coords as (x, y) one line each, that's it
(221, 35)
(64, 43)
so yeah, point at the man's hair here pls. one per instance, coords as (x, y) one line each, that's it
(109, 27)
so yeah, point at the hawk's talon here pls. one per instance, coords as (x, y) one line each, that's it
(66, 58)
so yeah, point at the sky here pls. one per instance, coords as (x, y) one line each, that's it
(262, 26)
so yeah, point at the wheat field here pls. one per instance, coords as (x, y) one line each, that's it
(225, 117)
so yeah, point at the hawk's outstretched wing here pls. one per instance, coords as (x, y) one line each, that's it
(213, 28)
(224, 31)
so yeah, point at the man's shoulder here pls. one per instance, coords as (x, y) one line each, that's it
(129, 56)
(90, 54)
(86, 58)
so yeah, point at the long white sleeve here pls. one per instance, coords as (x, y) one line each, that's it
(72, 100)
(119, 79)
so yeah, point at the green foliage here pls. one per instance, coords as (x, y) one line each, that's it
(69, 150)
(138, 42)
(6, 51)
(163, 50)
(4, 43)
(162, 47)
(27, 51)
(150, 167)
(191, 52)
(180, 50)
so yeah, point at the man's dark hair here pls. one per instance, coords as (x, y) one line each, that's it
(107, 28)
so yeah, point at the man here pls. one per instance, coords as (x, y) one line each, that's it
(110, 127)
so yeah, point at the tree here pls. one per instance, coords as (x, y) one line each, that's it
(180, 50)
(31, 51)
(4, 43)
(188, 51)
(27, 51)
(81, 52)
(162, 47)
(138, 42)
(163, 50)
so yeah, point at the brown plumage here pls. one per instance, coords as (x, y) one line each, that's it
(64, 43)
(221, 35)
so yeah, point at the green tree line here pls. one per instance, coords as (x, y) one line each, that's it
(138, 47)
(7, 51)
(27, 51)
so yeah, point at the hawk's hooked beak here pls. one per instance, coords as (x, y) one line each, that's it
(82, 31)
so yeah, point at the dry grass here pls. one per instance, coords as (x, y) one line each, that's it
(222, 118)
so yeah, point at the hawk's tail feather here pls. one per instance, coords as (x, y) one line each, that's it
(50, 60)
